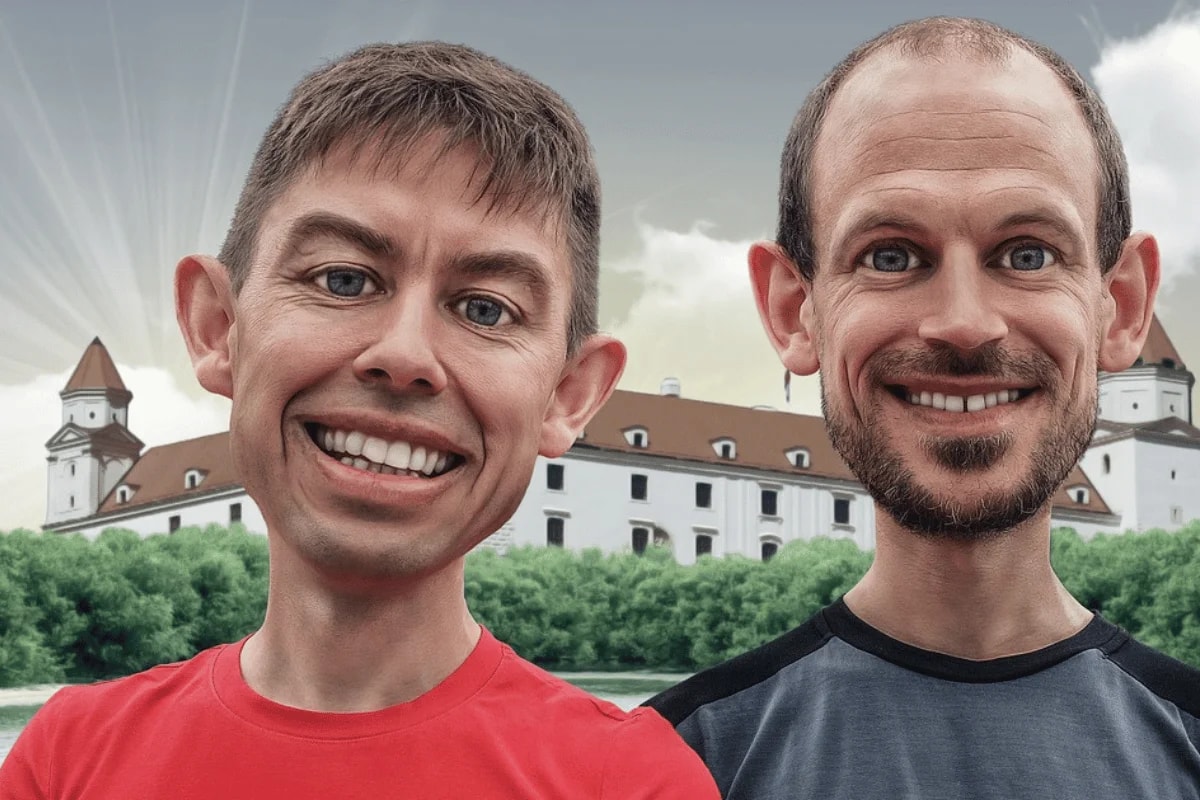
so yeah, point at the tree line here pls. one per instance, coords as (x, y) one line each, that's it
(78, 610)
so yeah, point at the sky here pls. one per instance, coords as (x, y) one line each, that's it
(126, 128)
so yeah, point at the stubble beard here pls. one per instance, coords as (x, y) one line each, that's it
(918, 507)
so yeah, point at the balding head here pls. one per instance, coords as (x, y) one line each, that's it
(938, 39)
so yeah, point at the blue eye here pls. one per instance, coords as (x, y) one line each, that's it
(1028, 257)
(890, 258)
(483, 311)
(346, 282)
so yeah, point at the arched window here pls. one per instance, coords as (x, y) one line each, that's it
(799, 457)
(725, 447)
(637, 436)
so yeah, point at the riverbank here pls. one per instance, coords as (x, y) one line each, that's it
(28, 695)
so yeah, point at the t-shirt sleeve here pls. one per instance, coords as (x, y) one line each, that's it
(649, 761)
(25, 773)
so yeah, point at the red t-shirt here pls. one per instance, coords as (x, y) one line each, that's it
(498, 727)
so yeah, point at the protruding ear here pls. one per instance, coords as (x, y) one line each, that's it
(586, 384)
(783, 298)
(1130, 288)
(204, 308)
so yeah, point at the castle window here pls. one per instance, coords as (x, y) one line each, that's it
(235, 513)
(1079, 494)
(1172, 474)
(72, 470)
(703, 495)
(841, 511)
(1107, 464)
(725, 447)
(173, 523)
(798, 457)
(72, 501)
(1177, 515)
(1169, 363)
(91, 415)
(193, 478)
(554, 531)
(768, 547)
(554, 477)
(637, 437)
(637, 487)
(769, 504)
(703, 545)
(639, 540)
(123, 494)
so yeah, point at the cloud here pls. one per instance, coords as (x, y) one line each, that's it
(695, 320)
(30, 413)
(1151, 85)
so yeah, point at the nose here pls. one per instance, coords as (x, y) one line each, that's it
(404, 353)
(963, 305)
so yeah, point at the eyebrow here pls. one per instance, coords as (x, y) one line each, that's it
(880, 219)
(1044, 218)
(323, 224)
(514, 264)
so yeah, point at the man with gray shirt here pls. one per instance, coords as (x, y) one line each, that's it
(955, 256)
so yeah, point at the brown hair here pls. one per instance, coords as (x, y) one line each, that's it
(533, 150)
(928, 38)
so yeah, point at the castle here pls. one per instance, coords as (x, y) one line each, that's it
(650, 470)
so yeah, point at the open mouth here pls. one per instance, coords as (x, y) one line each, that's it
(373, 454)
(960, 403)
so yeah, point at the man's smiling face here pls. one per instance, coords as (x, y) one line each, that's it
(395, 354)
(957, 302)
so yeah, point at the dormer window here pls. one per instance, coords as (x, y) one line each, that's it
(124, 492)
(798, 457)
(637, 437)
(193, 478)
(1079, 494)
(725, 447)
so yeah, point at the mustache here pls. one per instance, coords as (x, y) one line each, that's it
(941, 360)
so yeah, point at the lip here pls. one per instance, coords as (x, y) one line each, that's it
(987, 421)
(389, 429)
(957, 388)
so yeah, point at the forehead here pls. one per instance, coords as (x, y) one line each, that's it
(416, 195)
(957, 126)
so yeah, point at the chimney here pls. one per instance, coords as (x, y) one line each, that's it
(669, 387)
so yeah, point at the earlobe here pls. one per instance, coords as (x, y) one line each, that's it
(783, 297)
(586, 384)
(205, 312)
(1130, 288)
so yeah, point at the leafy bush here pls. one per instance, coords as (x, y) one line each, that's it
(71, 609)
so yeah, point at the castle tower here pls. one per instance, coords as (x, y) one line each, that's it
(93, 448)
(1156, 387)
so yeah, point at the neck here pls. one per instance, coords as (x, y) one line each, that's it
(977, 599)
(336, 649)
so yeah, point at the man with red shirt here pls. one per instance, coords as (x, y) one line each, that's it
(404, 316)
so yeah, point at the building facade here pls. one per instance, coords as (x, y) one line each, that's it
(651, 470)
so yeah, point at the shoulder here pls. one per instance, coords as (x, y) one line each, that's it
(80, 718)
(750, 669)
(642, 755)
(1169, 679)
(100, 706)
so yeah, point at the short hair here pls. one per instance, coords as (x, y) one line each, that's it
(929, 38)
(533, 150)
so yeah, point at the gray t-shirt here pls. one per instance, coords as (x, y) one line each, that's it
(835, 709)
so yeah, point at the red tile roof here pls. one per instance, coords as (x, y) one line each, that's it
(677, 427)
(158, 474)
(1158, 346)
(95, 370)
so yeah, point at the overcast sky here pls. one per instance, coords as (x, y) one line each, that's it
(126, 128)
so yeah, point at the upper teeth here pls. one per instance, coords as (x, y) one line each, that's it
(974, 402)
(380, 455)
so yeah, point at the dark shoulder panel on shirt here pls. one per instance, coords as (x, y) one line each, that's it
(740, 673)
(1172, 680)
